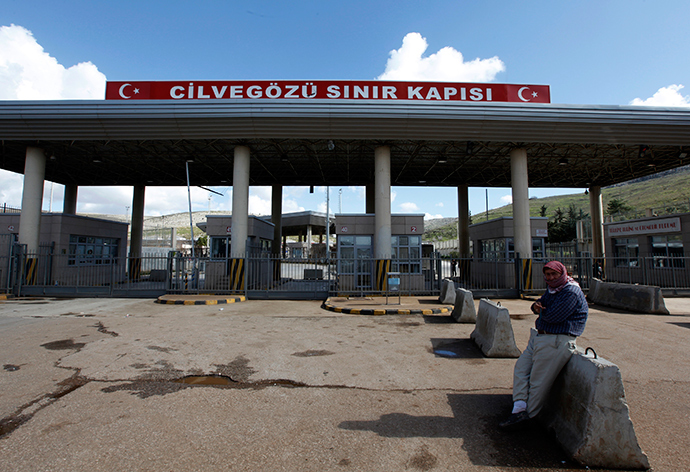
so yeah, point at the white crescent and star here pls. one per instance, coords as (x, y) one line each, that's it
(122, 91)
(522, 89)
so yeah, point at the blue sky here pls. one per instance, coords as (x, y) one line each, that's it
(589, 52)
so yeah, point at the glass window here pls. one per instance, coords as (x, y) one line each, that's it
(89, 250)
(220, 246)
(495, 249)
(667, 251)
(538, 248)
(363, 240)
(407, 252)
(626, 252)
(351, 248)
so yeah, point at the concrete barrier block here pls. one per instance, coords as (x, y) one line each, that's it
(447, 296)
(493, 332)
(589, 416)
(639, 298)
(464, 310)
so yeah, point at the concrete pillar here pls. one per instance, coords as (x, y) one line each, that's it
(463, 221)
(69, 202)
(240, 202)
(382, 196)
(276, 217)
(32, 199)
(596, 209)
(137, 225)
(136, 241)
(520, 186)
(369, 205)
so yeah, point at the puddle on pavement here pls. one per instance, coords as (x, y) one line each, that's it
(456, 349)
(207, 380)
(225, 381)
(63, 344)
(444, 353)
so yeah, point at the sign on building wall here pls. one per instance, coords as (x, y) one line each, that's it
(664, 225)
(329, 90)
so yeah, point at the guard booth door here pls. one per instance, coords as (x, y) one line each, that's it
(356, 265)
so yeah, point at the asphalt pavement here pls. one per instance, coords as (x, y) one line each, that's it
(129, 384)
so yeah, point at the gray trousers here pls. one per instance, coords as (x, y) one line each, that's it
(538, 367)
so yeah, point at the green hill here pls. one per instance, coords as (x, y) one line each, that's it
(663, 193)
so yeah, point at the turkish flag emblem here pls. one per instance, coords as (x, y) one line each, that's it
(529, 93)
(127, 90)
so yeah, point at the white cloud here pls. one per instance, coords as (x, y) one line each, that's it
(428, 216)
(665, 97)
(27, 72)
(409, 207)
(11, 188)
(447, 64)
(439, 204)
(507, 199)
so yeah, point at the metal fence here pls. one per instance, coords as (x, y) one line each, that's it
(270, 277)
(670, 273)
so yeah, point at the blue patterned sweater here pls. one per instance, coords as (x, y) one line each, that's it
(564, 312)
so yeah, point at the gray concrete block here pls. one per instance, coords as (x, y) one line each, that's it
(493, 332)
(447, 296)
(589, 416)
(464, 310)
(639, 298)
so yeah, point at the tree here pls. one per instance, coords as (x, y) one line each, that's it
(563, 228)
(542, 210)
(616, 206)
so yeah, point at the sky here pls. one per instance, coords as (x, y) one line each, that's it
(590, 52)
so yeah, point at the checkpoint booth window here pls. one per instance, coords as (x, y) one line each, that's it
(92, 250)
(355, 250)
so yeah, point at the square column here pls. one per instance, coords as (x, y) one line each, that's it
(596, 209)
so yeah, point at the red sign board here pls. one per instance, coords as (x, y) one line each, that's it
(328, 90)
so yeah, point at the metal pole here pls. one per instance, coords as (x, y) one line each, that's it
(487, 204)
(328, 231)
(189, 198)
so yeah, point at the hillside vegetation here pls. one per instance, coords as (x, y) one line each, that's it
(666, 192)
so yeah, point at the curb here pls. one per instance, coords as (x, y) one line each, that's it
(327, 305)
(220, 301)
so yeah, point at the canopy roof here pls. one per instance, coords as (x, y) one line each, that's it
(327, 142)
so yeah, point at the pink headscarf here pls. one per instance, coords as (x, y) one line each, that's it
(557, 285)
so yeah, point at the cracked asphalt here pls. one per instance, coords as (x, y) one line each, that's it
(95, 384)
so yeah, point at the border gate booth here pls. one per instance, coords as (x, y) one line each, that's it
(220, 271)
(355, 253)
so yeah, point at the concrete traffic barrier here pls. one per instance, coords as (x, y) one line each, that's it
(447, 296)
(640, 298)
(464, 310)
(493, 332)
(589, 416)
